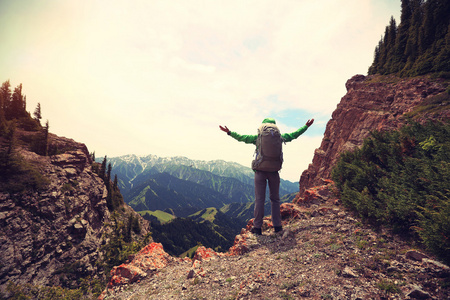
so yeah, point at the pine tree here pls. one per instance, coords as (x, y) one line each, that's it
(442, 60)
(412, 44)
(419, 44)
(135, 225)
(45, 138)
(375, 67)
(37, 113)
(108, 174)
(127, 229)
(116, 187)
(17, 108)
(441, 17)
(391, 38)
(402, 34)
(103, 169)
(2, 118)
(5, 99)
(384, 51)
(427, 28)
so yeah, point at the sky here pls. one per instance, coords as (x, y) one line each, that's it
(159, 77)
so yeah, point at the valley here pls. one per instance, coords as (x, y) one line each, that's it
(214, 199)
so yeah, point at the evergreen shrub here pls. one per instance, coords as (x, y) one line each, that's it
(402, 179)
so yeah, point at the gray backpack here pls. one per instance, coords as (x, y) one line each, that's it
(268, 153)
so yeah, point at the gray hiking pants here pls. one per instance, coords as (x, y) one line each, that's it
(261, 179)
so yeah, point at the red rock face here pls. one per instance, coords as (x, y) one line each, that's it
(371, 103)
(317, 195)
(203, 254)
(151, 258)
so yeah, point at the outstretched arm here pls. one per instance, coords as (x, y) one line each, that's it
(287, 137)
(248, 139)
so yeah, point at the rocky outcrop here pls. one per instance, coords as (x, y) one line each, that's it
(371, 103)
(53, 236)
(147, 261)
(152, 259)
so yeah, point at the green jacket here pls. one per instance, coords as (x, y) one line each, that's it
(251, 139)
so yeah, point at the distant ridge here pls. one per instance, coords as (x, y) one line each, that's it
(130, 165)
(234, 181)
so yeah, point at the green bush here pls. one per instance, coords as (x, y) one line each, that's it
(402, 179)
(28, 291)
(121, 243)
(29, 124)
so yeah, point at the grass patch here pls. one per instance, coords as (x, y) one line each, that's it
(162, 216)
(388, 287)
(18, 175)
(432, 105)
(190, 253)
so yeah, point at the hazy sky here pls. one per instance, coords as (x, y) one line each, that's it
(159, 77)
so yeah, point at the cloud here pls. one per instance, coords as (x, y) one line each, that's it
(158, 77)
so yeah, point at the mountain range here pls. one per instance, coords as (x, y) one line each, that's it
(184, 185)
(210, 200)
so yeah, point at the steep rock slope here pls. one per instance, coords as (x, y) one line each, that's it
(53, 235)
(372, 103)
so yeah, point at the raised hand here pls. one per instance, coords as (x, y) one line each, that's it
(225, 129)
(309, 122)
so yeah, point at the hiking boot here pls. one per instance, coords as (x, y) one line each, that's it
(256, 231)
(278, 228)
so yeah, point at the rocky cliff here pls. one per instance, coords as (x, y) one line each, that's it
(52, 235)
(373, 103)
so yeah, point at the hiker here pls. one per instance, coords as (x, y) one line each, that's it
(267, 163)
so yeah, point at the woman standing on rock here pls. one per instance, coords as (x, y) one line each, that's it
(268, 161)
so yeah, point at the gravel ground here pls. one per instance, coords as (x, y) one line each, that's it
(326, 255)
